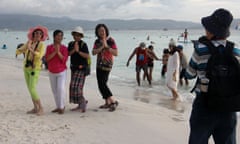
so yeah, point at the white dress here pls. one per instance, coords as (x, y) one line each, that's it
(172, 66)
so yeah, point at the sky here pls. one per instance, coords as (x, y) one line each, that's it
(181, 10)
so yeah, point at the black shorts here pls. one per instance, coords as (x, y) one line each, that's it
(182, 74)
(138, 68)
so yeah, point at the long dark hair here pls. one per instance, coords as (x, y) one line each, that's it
(56, 32)
(101, 25)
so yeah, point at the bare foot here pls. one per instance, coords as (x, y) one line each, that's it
(40, 112)
(175, 97)
(33, 111)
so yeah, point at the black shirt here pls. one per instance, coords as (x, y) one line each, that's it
(76, 59)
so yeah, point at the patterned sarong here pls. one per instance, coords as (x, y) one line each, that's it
(76, 87)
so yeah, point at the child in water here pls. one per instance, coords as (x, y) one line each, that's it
(164, 61)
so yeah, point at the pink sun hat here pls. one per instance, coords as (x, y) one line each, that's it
(41, 28)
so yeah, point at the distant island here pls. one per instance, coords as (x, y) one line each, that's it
(23, 22)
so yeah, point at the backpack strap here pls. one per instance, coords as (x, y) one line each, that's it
(229, 46)
(82, 44)
(89, 59)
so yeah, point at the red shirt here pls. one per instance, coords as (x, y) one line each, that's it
(141, 57)
(56, 65)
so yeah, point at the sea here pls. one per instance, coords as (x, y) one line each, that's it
(124, 77)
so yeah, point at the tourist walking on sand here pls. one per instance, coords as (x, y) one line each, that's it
(150, 62)
(34, 50)
(141, 61)
(56, 57)
(172, 75)
(79, 54)
(105, 48)
(206, 123)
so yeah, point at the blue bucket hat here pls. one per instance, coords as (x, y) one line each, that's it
(180, 47)
(218, 23)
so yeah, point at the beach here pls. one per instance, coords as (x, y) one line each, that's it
(145, 114)
(134, 122)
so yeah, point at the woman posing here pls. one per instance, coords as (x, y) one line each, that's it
(34, 50)
(56, 58)
(78, 50)
(105, 48)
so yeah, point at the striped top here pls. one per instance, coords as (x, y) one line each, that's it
(198, 62)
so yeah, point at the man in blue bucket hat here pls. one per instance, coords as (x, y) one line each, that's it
(204, 122)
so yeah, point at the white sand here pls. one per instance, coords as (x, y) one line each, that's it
(134, 122)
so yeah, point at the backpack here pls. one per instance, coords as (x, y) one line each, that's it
(223, 72)
(88, 68)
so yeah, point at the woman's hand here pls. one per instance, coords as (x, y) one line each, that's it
(76, 46)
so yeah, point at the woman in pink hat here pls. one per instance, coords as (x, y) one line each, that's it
(34, 51)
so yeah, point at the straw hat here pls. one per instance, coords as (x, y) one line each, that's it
(79, 30)
(41, 28)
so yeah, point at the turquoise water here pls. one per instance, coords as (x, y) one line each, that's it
(126, 41)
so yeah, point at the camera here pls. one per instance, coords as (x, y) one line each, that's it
(32, 73)
(28, 63)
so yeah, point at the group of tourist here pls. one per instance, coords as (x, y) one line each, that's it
(56, 56)
(174, 63)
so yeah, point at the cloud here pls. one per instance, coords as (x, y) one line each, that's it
(191, 10)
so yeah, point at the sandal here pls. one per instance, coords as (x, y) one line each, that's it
(113, 106)
(61, 111)
(84, 107)
(105, 106)
(55, 110)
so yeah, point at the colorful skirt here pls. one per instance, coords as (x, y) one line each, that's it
(76, 87)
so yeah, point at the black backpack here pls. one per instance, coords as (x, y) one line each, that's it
(223, 72)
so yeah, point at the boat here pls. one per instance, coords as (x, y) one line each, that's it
(165, 29)
(181, 40)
